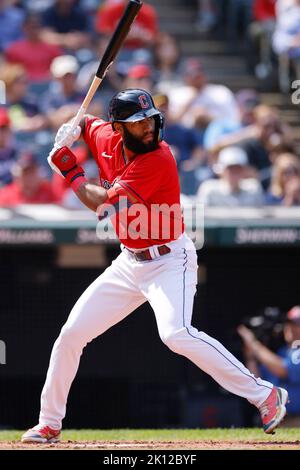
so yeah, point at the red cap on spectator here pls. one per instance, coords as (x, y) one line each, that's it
(293, 315)
(139, 71)
(4, 118)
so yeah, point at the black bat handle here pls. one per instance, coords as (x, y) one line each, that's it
(119, 35)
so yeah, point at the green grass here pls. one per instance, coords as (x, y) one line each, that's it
(252, 434)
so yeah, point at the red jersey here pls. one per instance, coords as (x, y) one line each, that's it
(144, 191)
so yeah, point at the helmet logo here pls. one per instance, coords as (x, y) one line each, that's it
(144, 102)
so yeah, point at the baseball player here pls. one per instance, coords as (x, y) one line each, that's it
(158, 266)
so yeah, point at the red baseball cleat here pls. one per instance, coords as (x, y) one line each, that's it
(273, 410)
(41, 434)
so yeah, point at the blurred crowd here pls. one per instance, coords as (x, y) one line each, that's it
(280, 365)
(231, 148)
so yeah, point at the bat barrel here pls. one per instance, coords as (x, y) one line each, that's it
(119, 35)
(112, 49)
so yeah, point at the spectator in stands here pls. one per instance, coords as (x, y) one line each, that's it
(281, 367)
(247, 100)
(261, 31)
(142, 33)
(112, 82)
(28, 186)
(239, 16)
(32, 52)
(37, 6)
(207, 16)
(271, 137)
(90, 6)
(264, 10)
(187, 148)
(66, 25)
(63, 88)
(60, 102)
(283, 5)
(287, 33)
(166, 60)
(198, 97)
(286, 40)
(262, 141)
(285, 174)
(23, 108)
(232, 189)
(11, 21)
(223, 132)
(139, 76)
(8, 151)
(292, 193)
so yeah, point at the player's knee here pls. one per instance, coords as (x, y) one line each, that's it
(176, 340)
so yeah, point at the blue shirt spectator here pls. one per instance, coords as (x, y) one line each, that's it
(283, 367)
(291, 360)
(66, 25)
(217, 129)
(183, 139)
(65, 19)
(186, 144)
(247, 99)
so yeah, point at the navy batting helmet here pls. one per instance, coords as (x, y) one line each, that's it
(134, 105)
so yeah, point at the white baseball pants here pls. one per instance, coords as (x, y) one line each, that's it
(168, 282)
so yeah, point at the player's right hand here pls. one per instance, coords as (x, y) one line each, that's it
(63, 159)
(66, 135)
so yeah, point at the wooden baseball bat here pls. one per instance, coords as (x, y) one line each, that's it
(109, 55)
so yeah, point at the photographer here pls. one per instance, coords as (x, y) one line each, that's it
(282, 367)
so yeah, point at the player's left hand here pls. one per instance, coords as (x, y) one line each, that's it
(64, 162)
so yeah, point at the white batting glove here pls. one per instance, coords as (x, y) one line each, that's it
(66, 135)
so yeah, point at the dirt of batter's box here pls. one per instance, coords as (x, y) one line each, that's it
(154, 445)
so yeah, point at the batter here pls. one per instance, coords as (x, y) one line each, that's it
(158, 262)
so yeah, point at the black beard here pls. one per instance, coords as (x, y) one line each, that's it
(136, 145)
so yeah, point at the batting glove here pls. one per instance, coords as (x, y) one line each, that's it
(64, 162)
(66, 135)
